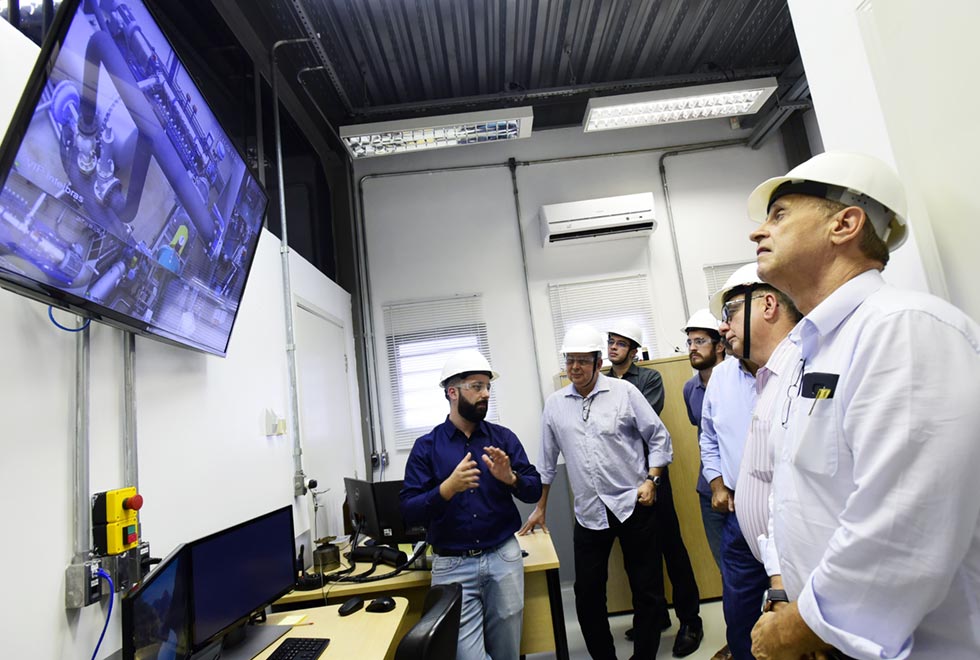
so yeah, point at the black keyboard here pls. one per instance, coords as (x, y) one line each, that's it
(300, 648)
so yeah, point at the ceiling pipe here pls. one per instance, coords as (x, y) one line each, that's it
(584, 90)
(314, 38)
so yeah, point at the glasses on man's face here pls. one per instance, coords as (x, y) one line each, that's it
(580, 361)
(587, 408)
(729, 309)
(795, 385)
(618, 343)
(698, 342)
(476, 387)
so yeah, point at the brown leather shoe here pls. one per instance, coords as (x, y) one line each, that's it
(723, 654)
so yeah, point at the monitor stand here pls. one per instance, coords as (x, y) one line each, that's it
(257, 638)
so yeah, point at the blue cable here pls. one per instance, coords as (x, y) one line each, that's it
(66, 329)
(112, 592)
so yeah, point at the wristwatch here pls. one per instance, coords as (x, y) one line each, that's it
(771, 596)
(655, 480)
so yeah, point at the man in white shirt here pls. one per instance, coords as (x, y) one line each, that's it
(875, 514)
(616, 450)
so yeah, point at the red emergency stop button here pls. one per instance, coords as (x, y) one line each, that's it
(134, 503)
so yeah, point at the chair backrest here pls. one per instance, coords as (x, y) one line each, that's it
(435, 636)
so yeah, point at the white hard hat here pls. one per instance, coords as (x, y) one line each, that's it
(744, 276)
(701, 320)
(627, 329)
(466, 361)
(582, 338)
(861, 180)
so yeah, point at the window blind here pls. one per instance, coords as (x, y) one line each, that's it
(600, 303)
(419, 336)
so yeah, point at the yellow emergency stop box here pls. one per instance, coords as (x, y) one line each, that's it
(115, 520)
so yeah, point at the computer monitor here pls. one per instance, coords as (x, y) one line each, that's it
(238, 571)
(156, 619)
(377, 507)
(203, 593)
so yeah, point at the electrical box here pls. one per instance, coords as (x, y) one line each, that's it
(82, 584)
(115, 520)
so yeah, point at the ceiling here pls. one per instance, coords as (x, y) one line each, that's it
(378, 60)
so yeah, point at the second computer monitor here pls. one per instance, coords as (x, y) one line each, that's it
(377, 509)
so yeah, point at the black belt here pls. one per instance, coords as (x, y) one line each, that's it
(476, 552)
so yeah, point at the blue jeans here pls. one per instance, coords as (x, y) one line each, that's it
(714, 522)
(493, 601)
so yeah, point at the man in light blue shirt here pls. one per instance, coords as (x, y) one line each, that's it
(600, 426)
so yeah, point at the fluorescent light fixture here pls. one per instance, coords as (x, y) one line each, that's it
(404, 136)
(676, 105)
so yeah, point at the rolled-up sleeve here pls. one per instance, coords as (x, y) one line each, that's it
(708, 440)
(547, 465)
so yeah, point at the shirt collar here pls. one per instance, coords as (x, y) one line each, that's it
(601, 385)
(826, 317)
(451, 431)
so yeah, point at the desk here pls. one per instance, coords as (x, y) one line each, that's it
(542, 596)
(362, 634)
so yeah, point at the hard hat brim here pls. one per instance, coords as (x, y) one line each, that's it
(758, 206)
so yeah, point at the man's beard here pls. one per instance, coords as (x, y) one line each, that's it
(472, 412)
(706, 363)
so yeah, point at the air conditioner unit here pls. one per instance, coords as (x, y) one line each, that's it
(624, 216)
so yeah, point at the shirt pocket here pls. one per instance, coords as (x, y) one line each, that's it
(818, 437)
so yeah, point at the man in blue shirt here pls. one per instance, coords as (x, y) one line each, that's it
(468, 509)
(706, 351)
(608, 434)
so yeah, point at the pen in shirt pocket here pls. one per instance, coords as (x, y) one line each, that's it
(822, 393)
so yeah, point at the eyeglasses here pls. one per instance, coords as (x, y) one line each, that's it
(795, 385)
(587, 408)
(581, 361)
(619, 343)
(475, 387)
(698, 342)
(729, 308)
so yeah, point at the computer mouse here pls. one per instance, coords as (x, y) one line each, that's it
(351, 605)
(381, 604)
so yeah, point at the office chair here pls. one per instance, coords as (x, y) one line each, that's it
(435, 636)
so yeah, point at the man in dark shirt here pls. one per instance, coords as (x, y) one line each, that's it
(468, 509)
(624, 340)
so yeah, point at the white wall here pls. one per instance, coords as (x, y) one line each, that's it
(443, 233)
(204, 460)
(929, 97)
(849, 108)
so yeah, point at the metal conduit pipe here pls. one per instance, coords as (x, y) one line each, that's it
(131, 473)
(299, 477)
(361, 253)
(512, 165)
(366, 340)
(82, 521)
(709, 146)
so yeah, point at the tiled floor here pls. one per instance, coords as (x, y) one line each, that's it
(711, 615)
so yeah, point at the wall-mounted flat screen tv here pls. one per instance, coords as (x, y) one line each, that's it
(122, 198)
